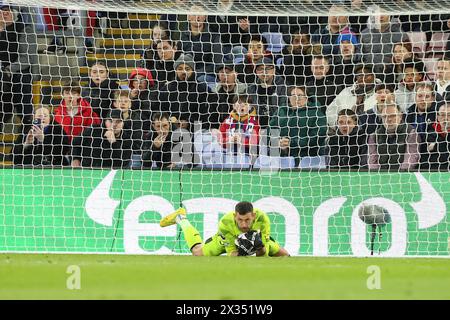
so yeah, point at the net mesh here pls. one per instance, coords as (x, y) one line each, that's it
(115, 113)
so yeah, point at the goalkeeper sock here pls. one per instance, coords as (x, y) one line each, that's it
(191, 235)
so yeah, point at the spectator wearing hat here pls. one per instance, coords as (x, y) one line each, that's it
(227, 88)
(438, 138)
(327, 36)
(142, 91)
(269, 91)
(103, 146)
(322, 88)
(359, 97)
(186, 98)
(413, 74)
(377, 41)
(345, 62)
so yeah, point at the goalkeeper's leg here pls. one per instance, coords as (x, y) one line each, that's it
(212, 247)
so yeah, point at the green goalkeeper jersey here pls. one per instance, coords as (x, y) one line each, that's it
(230, 231)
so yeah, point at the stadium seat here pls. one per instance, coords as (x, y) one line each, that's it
(239, 161)
(419, 43)
(208, 149)
(430, 67)
(438, 44)
(263, 162)
(313, 162)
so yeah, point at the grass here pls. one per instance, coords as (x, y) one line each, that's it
(43, 276)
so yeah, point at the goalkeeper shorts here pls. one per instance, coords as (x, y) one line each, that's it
(215, 246)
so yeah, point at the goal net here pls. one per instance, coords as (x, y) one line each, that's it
(333, 117)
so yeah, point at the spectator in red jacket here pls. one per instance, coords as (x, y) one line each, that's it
(241, 128)
(75, 114)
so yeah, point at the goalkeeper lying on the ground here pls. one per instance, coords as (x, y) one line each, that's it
(243, 232)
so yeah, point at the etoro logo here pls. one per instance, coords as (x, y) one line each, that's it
(100, 208)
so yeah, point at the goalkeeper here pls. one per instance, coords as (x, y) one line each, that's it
(242, 232)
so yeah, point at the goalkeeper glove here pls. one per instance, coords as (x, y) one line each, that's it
(248, 243)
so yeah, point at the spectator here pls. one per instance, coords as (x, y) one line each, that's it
(377, 41)
(370, 120)
(203, 45)
(327, 36)
(295, 65)
(167, 53)
(322, 88)
(393, 72)
(150, 55)
(100, 92)
(56, 19)
(245, 59)
(241, 128)
(44, 144)
(395, 144)
(346, 148)
(103, 146)
(413, 73)
(233, 30)
(269, 91)
(421, 116)
(302, 126)
(15, 69)
(176, 23)
(74, 114)
(359, 97)
(439, 139)
(185, 98)
(226, 89)
(141, 84)
(157, 147)
(134, 119)
(443, 76)
(345, 62)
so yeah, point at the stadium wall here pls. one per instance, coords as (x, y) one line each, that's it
(312, 213)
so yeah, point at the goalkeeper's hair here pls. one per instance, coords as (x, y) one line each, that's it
(243, 207)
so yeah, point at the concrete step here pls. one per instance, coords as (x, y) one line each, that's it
(6, 149)
(124, 43)
(137, 33)
(8, 137)
(143, 17)
(116, 61)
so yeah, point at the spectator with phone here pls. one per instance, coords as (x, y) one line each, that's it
(44, 144)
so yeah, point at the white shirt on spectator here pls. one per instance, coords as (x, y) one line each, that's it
(347, 100)
(404, 97)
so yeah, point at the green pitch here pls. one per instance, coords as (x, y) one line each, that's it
(185, 277)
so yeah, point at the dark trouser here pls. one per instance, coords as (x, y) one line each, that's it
(16, 97)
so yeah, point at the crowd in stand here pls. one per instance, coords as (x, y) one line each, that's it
(224, 90)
